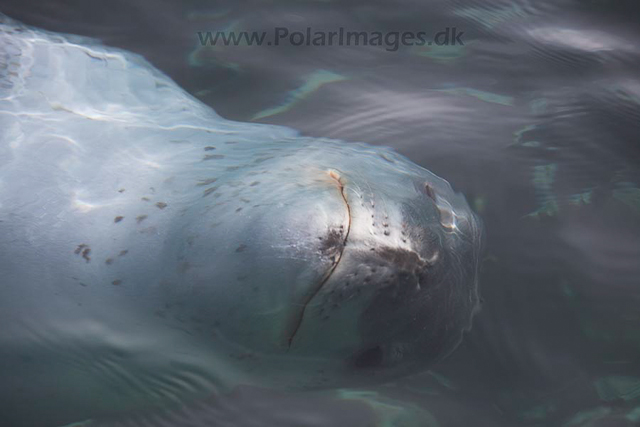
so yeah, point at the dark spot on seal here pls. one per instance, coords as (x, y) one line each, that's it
(332, 244)
(117, 282)
(213, 157)
(145, 199)
(109, 261)
(370, 358)
(204, 182)
(122, 190)
(241, 248)
(238, 210)
(141, 218)
(149, 230)
(209, 191)
(83, 250)
(254, 183)
(209, 148)
(161, 205)
(262, 159)
(118, 219)
(83, 284)
(124, 252)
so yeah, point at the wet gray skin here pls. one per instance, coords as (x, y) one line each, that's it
(151, 251)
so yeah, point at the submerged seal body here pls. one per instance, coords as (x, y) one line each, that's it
(151, 251)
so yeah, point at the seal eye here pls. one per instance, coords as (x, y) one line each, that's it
(430, 192)
(370, 358)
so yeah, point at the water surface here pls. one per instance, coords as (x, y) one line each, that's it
(536, 119)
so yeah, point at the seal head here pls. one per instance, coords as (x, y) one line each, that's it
(362, 268)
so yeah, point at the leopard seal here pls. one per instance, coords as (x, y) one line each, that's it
(152, 252)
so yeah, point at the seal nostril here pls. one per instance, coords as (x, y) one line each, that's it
(370, 358)
(430, 191)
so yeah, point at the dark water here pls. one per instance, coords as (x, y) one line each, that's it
(536, 118)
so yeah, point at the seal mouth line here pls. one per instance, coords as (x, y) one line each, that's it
(338, 180)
